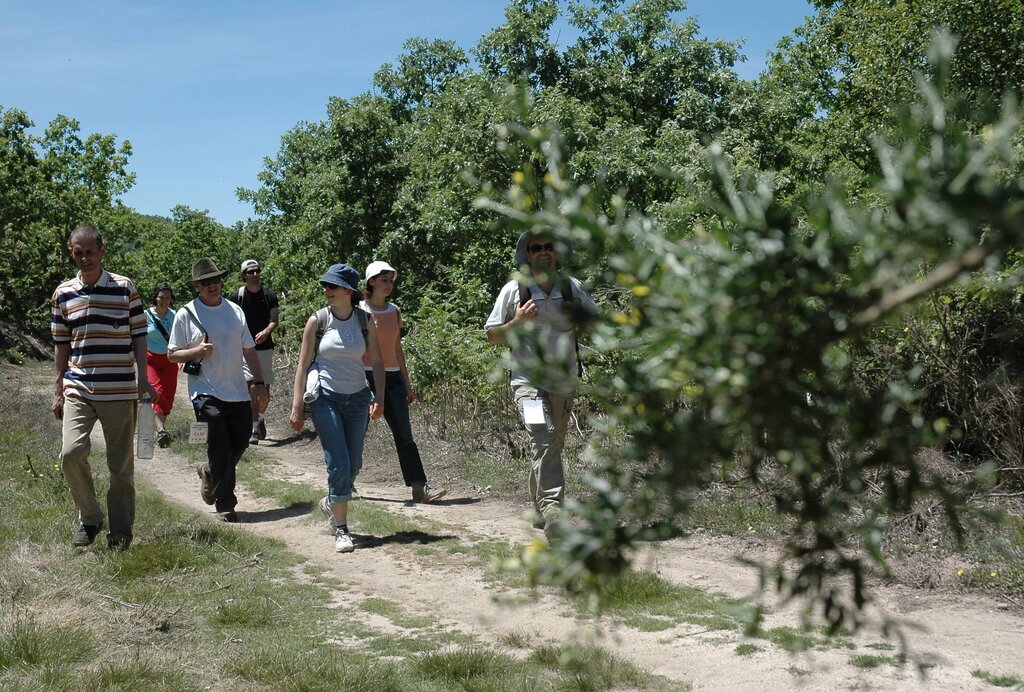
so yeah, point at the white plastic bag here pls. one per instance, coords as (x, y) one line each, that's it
(312, 392)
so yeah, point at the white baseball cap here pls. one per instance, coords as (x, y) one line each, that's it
(249, 264)
(379, 267)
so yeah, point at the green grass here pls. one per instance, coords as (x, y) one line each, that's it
(998, 680)
(876, 661)
(732, 512)
(795, 640)
(747, 649)
(199, 605)
(27, 643)
(396, 614)
(646, 601)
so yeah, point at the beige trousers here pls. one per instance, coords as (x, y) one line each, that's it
(117, 419)
(547, 480)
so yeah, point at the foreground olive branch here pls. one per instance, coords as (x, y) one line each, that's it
(734, 342)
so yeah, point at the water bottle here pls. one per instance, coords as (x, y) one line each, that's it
(147, 426)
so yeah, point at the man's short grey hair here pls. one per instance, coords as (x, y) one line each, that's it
(86, 231)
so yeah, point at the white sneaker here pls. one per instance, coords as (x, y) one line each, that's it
(328, 512)
(342, 541)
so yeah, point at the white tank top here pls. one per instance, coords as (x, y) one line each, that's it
(340, 358)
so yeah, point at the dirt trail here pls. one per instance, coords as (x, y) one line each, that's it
(959, 633)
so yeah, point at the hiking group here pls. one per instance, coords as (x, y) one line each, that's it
(110, 353)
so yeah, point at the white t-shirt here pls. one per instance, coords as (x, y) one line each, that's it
(221, 375)
(555, 344)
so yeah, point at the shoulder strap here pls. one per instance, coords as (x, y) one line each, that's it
(361, 316)
(321, 328)
(187, 309)
(567, 298)
(158, 324)
(524, 294)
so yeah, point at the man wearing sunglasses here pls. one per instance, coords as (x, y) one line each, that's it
(211, 337)
(259, 304)
(537, 316)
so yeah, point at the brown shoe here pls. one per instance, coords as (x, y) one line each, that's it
(422, 492)
(205, 484)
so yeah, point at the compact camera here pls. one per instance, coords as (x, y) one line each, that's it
(193, 367)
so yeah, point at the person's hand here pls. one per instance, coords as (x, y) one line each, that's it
(57, 407)
(146, 388)
(376, 410)
(297, 418)
(526, 311)
(261, 336)
(205, 351)
(410, 395)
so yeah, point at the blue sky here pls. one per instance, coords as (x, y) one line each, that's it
(204, 89)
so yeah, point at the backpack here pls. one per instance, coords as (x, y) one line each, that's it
(263, 292)
(571, 304)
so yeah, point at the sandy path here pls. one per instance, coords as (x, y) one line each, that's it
(960, 633)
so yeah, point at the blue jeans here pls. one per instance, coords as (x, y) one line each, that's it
(340, 421)
(396, 413)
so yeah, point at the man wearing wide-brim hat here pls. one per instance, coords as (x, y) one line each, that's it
(211, 338)
(538, 316)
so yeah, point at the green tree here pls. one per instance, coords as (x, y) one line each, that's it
(48, 184)
(739, 341)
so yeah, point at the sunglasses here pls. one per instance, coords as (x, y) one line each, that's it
(325, 284)
(542, 247)
(210, 281)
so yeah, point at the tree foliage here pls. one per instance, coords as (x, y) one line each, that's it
(739, 343)
(48, 184)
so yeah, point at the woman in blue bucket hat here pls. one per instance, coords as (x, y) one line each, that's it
(330, 377)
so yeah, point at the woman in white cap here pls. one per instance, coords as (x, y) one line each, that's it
(380, 283)
(330, 375)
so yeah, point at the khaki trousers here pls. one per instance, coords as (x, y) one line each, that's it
(547, 480)
(117, 419)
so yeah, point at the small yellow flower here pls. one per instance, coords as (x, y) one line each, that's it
(993, 573)
(960, 572)
(518, 177)
(640, 408)
(548, 178)
(641, 291)
(620, 318)
(906, 329)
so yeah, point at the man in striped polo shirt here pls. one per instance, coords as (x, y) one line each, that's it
(99, 336)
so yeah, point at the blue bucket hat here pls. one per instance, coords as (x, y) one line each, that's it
(341, 275)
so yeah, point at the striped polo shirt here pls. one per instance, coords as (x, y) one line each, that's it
(99, 322)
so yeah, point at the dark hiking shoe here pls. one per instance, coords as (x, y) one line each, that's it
(422, 492)
(119, 542)
(205, 484)
(85, 535)
(254, 439)
(229, 517)
(163, 439)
